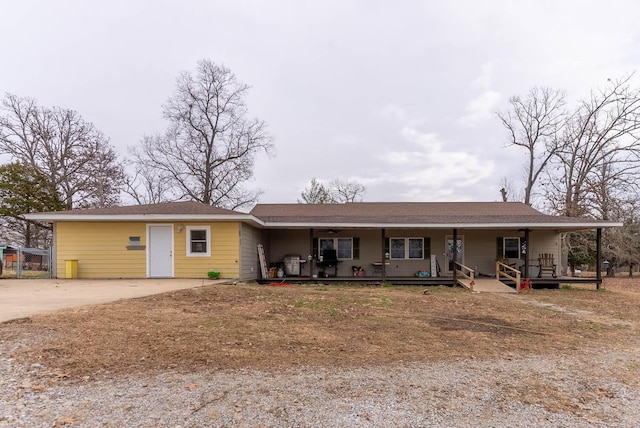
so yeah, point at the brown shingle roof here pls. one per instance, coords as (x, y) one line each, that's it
(355, 214)
(167, 208)
(408, 213)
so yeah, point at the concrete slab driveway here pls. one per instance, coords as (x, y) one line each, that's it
(21, 298)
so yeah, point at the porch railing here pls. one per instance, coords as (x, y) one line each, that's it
(506, 271)
(465, 272)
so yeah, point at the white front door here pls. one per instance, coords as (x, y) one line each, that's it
(460, 252)
(160, 251)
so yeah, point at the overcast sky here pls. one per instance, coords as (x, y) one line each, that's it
(398, 95)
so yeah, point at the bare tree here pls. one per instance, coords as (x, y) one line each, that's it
(504, 194)
(623, 244)
(533, 123)
(338, 191)
(507, 192)
(208, 150)
(316, 193)
(76, 158)
(587, 160)
(346, 191)
(145, 187)
(595, 172)
(598, 161)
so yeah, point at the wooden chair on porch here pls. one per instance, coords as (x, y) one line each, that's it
(547, 264)
(505, 261)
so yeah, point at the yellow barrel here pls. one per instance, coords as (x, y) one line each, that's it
(71, 269)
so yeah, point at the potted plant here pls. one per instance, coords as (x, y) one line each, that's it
(357, 271)
(213, 274)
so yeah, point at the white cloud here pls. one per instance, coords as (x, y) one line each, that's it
(481, 108)
(486, 76)
(399, 96)
(422, 168)
(393, 113)
(403, 116)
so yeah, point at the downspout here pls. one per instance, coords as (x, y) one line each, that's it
(53, 261)
(598, 257)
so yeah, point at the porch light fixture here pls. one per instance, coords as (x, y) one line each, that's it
(180, 227)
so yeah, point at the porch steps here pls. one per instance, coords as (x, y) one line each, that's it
(486, 285)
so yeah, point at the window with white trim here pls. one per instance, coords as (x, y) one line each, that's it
(198, 241)
(343, 247)
(511, 248)
(406, 248)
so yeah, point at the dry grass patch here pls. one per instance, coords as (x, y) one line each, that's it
(618, 300)
(556, 400)
(234, 326)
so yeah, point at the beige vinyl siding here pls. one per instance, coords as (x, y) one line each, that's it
(543, 242)
(250, 237)
(370, 252)
(480, 249)
(289, 242)
(407, 267)
(284, 243)
(438, 248)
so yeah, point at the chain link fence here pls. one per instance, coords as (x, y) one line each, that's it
(26, 263)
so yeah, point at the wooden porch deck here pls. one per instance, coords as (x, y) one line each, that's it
(486, 285)
(410, 280)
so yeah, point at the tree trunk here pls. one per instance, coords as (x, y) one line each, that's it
(27, 235)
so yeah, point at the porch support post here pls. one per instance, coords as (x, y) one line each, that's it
(598, 257)
(311, 252)
(454, 253)
(526, 255)
(383, 256)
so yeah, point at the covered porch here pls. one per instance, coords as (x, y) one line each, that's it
(417, 256)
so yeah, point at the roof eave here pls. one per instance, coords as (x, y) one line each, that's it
(249, 218)
(510, 225)
(141, 217)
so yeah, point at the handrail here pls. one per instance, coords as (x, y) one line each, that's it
(470, 275)
(503, 269)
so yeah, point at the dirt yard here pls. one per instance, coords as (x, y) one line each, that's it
(266, 327)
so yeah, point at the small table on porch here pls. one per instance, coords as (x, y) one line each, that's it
(377, 268)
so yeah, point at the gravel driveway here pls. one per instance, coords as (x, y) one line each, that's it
(580, 388)
(596, 390)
